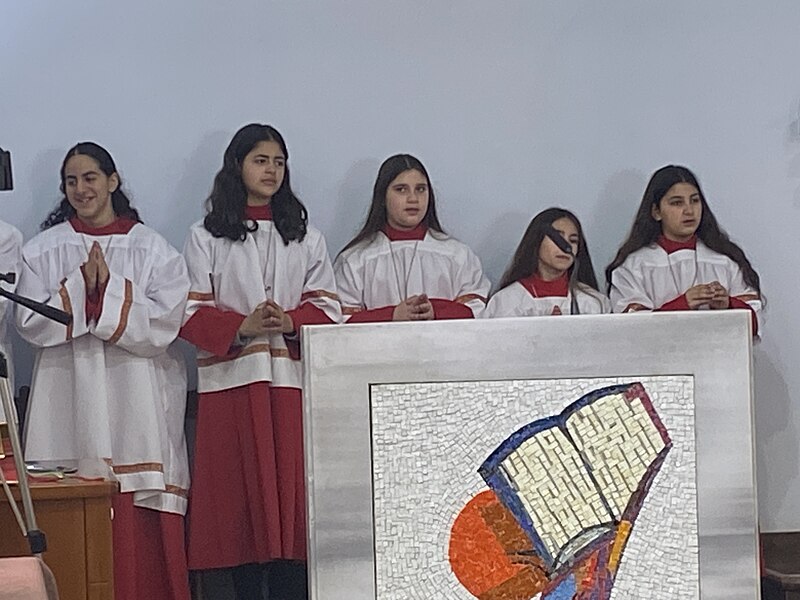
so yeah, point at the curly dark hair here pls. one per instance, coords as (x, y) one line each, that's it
(228, 200)
(119, 200)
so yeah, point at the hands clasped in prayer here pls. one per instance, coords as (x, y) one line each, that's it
(714, 295)
(415, 308)
(95, 271)
(268, 317)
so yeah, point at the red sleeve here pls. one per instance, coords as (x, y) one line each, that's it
(308, 314)
(305, 314)
(738, 303)
(212, 329)
(373, 315)
(450, 309)
(678, 303)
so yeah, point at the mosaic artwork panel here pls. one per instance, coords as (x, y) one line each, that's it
(444, 531)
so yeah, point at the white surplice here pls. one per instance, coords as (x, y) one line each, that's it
(110, 394)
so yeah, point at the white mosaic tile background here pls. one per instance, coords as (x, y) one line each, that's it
(429, 440)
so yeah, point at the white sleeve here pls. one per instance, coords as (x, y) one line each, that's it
(739, 289)
(198, 263)
(69, 296)
(144, 318)
(350, 284)
(627, 293)
(10, 259)
(494, 308)
(319, 285)
(472, 285)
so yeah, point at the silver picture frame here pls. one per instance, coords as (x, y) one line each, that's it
(342, 362)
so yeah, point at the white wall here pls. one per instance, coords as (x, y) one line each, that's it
(513, 106)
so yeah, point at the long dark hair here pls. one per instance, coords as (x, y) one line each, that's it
(228, 200)
(119, 201)
(526, 257)
(646, 230)
(391, 168)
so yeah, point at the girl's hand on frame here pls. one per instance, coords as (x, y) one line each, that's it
(699, 295)
(422, 309)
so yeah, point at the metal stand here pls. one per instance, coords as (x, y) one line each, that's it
(36, 538)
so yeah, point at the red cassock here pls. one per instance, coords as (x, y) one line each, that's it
(247, 502)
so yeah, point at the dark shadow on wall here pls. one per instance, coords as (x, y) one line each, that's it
(353, 199)
(608, 224)
(195, 177)
(776, 435)
(500, 239)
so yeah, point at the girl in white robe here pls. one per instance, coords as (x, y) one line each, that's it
(10, 255)
(401, 266)
(107, 393)
(258, 274)
(545, 279)
(677, 257)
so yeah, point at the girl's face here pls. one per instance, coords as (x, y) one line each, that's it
(554, 262)
(679, 212)
(89, 190)
(263, 169)
(407, 200)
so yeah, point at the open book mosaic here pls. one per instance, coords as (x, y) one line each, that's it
(577, 489)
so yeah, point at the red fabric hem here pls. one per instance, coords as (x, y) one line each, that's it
(540, 288)
(149, 553)
(373, 315)
(120, 225)
(671, 246)
(450, 309)
(679, 303)
(247, 501)
(259, 213)
(400, 235)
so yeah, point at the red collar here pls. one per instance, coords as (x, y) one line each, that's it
(671, 246)
(539, 288)
(398, 235)
(120, 226)
(258, 213)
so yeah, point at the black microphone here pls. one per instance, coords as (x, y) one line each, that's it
(558, 240)
(52, 313)
(6, 182)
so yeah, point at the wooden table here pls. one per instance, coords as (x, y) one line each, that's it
(75, 516)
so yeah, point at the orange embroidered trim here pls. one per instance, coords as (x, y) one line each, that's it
(201, 296)
(469, 297)
(252, 349)
(748, 297)
(351, 310)
(66, 303)
(178, 491)
(635, 307)
(123, 313)
(137, 468)
(319, 294)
